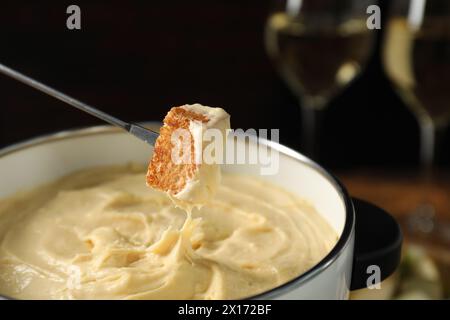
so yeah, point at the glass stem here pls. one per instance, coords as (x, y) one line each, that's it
(423, 219)
(431, 137)
(311, 125)
(427, 146)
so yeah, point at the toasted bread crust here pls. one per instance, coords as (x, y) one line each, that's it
(163, 173)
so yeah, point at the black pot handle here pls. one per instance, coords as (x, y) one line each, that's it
(378, 242)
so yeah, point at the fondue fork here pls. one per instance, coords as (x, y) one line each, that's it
(138, 131)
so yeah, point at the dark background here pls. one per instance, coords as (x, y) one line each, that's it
(136, 59)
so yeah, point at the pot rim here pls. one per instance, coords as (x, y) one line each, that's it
(322, 265)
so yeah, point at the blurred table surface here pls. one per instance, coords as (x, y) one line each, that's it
(398, 192)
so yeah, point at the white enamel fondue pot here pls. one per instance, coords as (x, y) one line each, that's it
(367, 235)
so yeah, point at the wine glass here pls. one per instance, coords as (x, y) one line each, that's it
(416, 57)
(318, 47)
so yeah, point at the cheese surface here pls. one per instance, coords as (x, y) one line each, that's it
(101, 233)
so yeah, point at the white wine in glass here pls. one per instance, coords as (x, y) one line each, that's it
(318, 47)
(416, 57)
(418, 62)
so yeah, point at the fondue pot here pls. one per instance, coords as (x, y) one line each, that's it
(369, 243)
